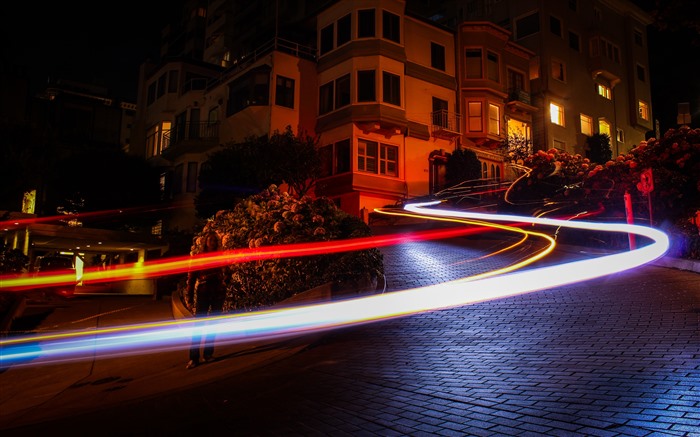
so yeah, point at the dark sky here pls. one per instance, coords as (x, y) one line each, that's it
(97, 42)
(105, 42)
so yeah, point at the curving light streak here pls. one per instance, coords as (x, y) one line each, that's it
(268, 325)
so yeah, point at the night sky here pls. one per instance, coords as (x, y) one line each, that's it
(105, 45)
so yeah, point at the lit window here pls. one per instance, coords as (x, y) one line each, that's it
(620, 136)
(643, 110)
(494, 120)
(556, 114)
(475, 116)
(586, 125)
(604, 91)
(603, 127)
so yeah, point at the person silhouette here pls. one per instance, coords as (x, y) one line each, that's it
(206, 293)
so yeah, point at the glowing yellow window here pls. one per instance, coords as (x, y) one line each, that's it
(643, 110)
(556, 114)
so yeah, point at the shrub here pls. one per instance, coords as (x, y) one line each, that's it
(273, 217)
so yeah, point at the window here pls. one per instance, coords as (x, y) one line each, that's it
(391, 88)
(586, 125)
(151, 95)
(484, 170)
(620, 136)
(603, 127)
(284, 92)
(377, 158)
(604, 91)
(366, 88)
(440, 112)
(555, 26)
(601, 46)
(559, 145)
(492, 66)
(342, 91)
(162, 81)
(574, 41)
(473, 60)
(192, 177)
(573, 5)
(556, 113)
(327, 39)
(527, 25)
(391, 28)
(644, 110)
(516, 81)
(365, 23)
(335, 158)
(558, 70)
(344, 26)
(475, 116)
(173, 81)
(494, 120)
(177, 179)
(250, 90)
(641, 73)
(638, 37)
(437, 56)
(325, 98)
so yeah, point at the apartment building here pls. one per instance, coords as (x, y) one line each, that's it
(392, 87)
(591, 68)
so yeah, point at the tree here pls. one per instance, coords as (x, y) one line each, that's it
(599, 150)
(462, 165)
(105, 180)
(242, 169)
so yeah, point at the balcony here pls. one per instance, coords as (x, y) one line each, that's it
(445, 124)
(190, 136)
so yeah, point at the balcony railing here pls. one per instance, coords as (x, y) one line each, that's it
(444, 123)
(518, 95)
(189, 131)
(275, 44)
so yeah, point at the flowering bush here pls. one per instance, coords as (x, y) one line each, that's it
(673, 159)
(273, 217)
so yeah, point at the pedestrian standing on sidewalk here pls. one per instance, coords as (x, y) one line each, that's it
(205, 294)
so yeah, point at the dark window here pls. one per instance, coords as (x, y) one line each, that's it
(391, 88)
(173, 76)
(191, 177)
(284, 92)
(151, 94)
(473, 60)
(366, 87)
(342, 156)
(325, 155)
(342, 91)
(365, 23)
(492, 66)
(573, 5)
(527, 25)
(177, 179)
(440, 112)
(325, 96)
(391, 28)
(437, 56)
(638, 38)
(574, 41)
(162, 81)
(327, 39)
(344, 27)
(555, 26)
(641, 73)
(250, 90)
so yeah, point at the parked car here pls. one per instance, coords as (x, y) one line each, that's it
(56, 264)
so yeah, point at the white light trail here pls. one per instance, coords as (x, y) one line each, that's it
(283, 323)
